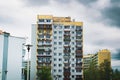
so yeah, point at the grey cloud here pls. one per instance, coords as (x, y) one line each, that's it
(86, 2)
(63, 1)
(6, 19)
(108, 42)
(116, 55)
(111, 14)
(37, 2)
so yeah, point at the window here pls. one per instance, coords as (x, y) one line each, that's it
(72, 65)
(60, 32)
(73, 70)
(73, 54)
(55, 54)
(72, 27)
(55, 32)
(54, 70)
(55, 37)
(60, 65)
(54, 59)
(72, 59)
(60, 54)
(72, 42)
(60, 43)
(60, 37)
(41, 20)
(54, 64)
(67, 27)
(55, 43)
(72, 48)
(72, 37)
(60, 27)
(60, 59)
(72, 76)
(72, 32)
(55, 48)
(48, 20)
(55, 26)
(60, 70)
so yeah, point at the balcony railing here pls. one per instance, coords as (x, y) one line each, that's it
(44, 55)
(67, 78)
(79, 55)
(46, 62)
(67, 73)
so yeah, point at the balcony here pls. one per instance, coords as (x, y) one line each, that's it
(66, 78)
(44, 26)
(79, 55)
(78, 34)
(44, 55)
(66, 73)
(67, 51)
(43, 62)
(78, 40)
(66, 45)
(67, 39)
(79, 29)
(78, 51)
(78, 67)
(67, 56)
(66, 34)
(78, 45)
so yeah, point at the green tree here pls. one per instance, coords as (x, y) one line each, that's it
(44, 73)
(105, 70)
(91, 73)
(116, 74)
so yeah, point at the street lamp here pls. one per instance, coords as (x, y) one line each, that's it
(28, 63)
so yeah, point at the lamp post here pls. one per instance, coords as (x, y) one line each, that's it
(28, 63)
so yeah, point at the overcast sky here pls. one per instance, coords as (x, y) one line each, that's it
(101, 20)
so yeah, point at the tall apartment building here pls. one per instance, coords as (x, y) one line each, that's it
(58, 43)
(97, 58)
(11, 49)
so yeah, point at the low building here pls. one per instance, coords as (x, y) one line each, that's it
(97, 58)
(86, 60)
(11, 49)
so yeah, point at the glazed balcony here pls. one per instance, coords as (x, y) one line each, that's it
(66, 73)
(78, 67)
(78, 34)
(78, 45)
(79, 40)
(40, 26)
(66, 45)
(67, 56)
(66, 34)
(79, 29)
(44, 44)
(78, 51)
(79, 55)
(78, 77)
(67, 39)
(44, 55)
(67, 51)
(43, 62)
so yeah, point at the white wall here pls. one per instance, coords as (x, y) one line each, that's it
(1, 54)
(14, 58)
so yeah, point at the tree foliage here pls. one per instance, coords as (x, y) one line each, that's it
(116, 74)
(44, 73)
(102, 72)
